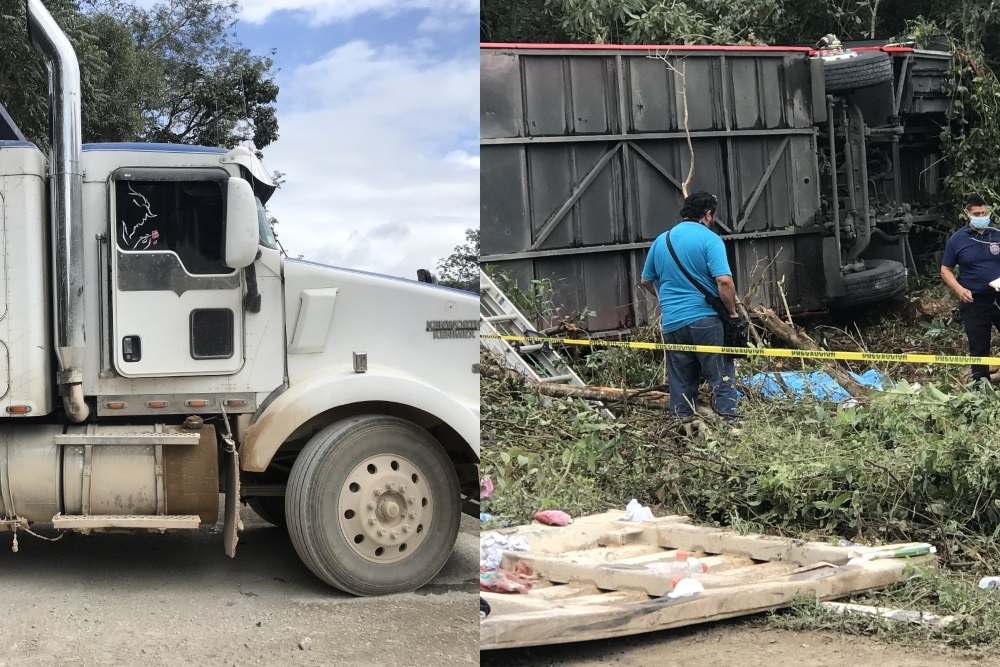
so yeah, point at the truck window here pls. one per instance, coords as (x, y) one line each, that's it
(266, 233)
(185, 217)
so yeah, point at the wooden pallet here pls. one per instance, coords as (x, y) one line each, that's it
(595, 581)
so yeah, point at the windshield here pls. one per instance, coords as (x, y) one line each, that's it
(266, 233)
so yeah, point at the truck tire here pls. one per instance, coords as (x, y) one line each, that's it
(270, 509)
(373, 505)
(867, 68)
(882, 279)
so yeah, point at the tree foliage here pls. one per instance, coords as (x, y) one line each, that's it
(462, 266)
(728, 21)
(173, 72)
(214, 91)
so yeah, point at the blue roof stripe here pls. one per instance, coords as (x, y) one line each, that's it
(381, 275)
(155, 148)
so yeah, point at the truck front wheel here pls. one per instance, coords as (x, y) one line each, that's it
(373, 505)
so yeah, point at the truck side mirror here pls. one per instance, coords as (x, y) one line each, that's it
(242, 229)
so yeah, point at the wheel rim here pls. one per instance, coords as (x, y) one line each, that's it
(385, 508)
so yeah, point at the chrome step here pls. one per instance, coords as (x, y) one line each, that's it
(121, 521)
(128, 439)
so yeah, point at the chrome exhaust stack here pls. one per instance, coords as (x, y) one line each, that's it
(66, 201)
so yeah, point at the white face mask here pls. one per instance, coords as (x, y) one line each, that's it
(979, 222)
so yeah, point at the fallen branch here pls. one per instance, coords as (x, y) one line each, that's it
(799, 340)
(644, 397)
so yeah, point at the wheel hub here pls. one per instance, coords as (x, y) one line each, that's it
(385, 508)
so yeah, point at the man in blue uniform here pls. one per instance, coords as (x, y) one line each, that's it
(686, 316)
(975, 250)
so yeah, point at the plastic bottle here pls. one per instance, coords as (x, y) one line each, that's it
(685, 565)
(679, 568)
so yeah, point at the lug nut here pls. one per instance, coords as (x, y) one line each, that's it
(412, 500)
(406, 528)
(376, 492)
(381, 532)
(371, 505)
(413, 515)
(395, 534)
(402, 488)
(371, 521)
(389, 486)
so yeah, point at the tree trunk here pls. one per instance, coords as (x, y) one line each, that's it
(644, 397)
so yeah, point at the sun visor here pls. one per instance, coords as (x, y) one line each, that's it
(263, 185)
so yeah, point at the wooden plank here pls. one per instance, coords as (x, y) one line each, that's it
(571, 623)
(599, 555)
(588, 531)
(757, 547)
(596, 580)
(609, 576)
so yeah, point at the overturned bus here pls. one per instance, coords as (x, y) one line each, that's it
(823, 161)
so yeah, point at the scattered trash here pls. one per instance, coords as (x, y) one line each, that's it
(847, 543)
(902, 615)
(492, 546)
(989, 583)
(553, 518)
(485, 488)
(685, 588)
(305, 644)
(484, 608)
(503, 581)
(636, 512)
(683, 565)
(909, 551)
(484, 517)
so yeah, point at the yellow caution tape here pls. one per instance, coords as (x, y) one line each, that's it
(825, 355)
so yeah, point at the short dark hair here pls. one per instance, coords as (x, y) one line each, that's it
(975, 199)
(698, 204)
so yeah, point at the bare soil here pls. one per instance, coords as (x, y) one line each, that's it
(735, 644)
(176, 599)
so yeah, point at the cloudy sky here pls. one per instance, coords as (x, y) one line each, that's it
(378, 115)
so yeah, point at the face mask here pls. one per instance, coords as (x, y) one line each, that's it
(980, 223)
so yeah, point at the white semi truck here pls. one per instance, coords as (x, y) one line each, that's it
(156, 350)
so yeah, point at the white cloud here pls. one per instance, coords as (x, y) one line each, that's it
(322, 11)
(453, 22)
(370, 143)
(462, 158)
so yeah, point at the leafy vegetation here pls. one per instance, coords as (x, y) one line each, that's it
(918, 463)
(172, 72)
(462, 266)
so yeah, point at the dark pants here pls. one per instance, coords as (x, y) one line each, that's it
(979, 318)
(685, 369)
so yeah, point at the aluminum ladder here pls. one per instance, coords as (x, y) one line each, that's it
(498, 316)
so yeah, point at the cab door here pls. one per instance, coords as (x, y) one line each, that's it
(176, 307)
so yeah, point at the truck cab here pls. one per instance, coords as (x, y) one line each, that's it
(160, 349)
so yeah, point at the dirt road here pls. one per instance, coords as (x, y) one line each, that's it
(178, 600)
(732, 644)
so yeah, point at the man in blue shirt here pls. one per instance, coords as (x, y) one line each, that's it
(686, 316)
(975, 250)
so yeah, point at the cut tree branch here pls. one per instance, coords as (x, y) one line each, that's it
(644, 397)
(798, 339)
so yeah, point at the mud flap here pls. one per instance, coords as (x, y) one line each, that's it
(233, 524)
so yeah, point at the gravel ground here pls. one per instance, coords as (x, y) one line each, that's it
(176, 599)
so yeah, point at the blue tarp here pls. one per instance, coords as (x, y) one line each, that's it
(820, 384)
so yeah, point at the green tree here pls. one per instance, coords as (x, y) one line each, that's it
(116, 76)
(213, 91)
(519, 21)
(171, 73)
(462, 266)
